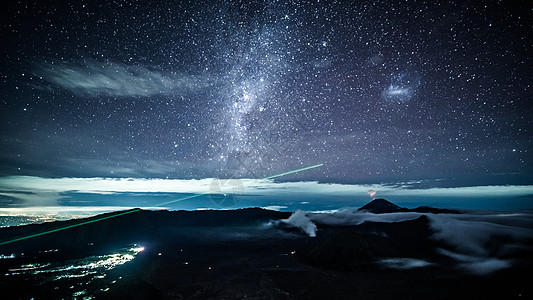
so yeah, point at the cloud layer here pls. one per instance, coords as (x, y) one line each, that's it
(31, 190)
(94, 78)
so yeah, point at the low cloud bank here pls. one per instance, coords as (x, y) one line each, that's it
(306, 221)
(471, 234)
(404, 263)
(349, 217)
(478, 265)
(480, 243)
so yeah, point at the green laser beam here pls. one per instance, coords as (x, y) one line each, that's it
(266, 178)
(138, 209)
(292, 172)
(182, 199)
(69, 226)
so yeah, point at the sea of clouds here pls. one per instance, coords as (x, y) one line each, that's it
(481, 243)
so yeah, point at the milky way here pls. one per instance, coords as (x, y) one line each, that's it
(376, 91)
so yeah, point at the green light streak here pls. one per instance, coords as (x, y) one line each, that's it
(292, 172)
(182, 199)
(68, 226)
(138, 209)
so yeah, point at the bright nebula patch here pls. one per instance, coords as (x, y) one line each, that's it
(402, 87)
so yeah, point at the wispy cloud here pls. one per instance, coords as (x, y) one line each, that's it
(404, 263)
(95, 78)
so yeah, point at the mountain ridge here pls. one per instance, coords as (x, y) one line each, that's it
(382, 206)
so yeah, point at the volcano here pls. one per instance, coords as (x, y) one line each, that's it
(381, 206)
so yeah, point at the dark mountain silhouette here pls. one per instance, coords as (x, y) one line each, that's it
(381, 206)
(107, 231)
(433, 210)
(244, 253)
(128, 227)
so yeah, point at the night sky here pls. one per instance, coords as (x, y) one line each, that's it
(377, 91)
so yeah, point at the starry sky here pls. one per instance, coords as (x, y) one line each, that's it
(377, 91)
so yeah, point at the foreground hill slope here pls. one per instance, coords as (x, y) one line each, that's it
(246, 253)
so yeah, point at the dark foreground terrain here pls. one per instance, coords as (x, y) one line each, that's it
(244, 254)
